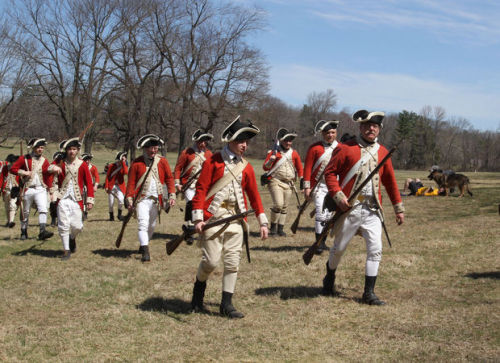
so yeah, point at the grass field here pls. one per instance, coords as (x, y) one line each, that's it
(440, 280)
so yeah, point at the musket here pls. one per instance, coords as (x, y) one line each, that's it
(184, 188)
(172, 245)
(308, 255)
(303, 206)
(127, 218)
(84, 132)
(292, 184)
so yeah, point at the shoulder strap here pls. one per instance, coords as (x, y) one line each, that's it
(284, 157)
(326, 155)
(197, 156)
(226, 178)
(355, 168)
(155, 165)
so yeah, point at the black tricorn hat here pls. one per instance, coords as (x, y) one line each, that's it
(70, 143)
(34, 143)
(323, 125)
(57, 155)
(239, 130)
(120, 154)
(365, 116)
(87, 156)
(149, 140)
(200, 135)
(283, 134)
(11, 158)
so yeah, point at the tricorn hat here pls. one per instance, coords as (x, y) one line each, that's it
(120, 154)
(199, 135)
(57, 155)
(284, 134)
(149, 140)
(75, 141)
(11, 158)
(323, 125)
(87, 156)
(34, 143)
(239, 130)
(365, 116)
(61, 145)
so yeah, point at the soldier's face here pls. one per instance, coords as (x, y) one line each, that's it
(71, 152)
(286, 144)
(151, 151)
(238, 147)
(330, 135)
(202, 145)
(39, 150)
(369, 131)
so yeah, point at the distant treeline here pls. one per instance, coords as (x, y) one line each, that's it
(171, 66)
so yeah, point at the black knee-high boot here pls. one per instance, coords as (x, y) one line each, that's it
(369, 296)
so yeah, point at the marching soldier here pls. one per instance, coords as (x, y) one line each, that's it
(187, 170)
(94, 173)
(72, 177)
(10, 189)
(57, 157)
(351, 164)
(282, 167)
(224, 179)
(318, 156)
(152, 198)
(115, 183)
(35, 179)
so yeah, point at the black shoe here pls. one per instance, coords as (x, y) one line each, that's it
(44, 234)
(369, 296)
(145, 254)
(24, 234)
(66, 255)
(322, 247)
(227, 308)
(329, 282)
(281, 233)
(120, 217)
(198, 296)
(53, 223)
(111, 217)
(11, 224)
(72, 245)
(273, 230)
(140, 249)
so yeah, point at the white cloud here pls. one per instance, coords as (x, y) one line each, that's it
(388, 92)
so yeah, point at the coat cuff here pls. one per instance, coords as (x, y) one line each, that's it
(262, 219)
(171, 196)
(177, 182)
(339, 197)
(90, 200)
(399, 208)
(197, 215)
(307, 184)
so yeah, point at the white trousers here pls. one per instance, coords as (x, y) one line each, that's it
(368, 223)
(10, 206)
(147, 213)
(188, 194)
(321, 216)
(117, 194)
(69, 220)
(39, 197)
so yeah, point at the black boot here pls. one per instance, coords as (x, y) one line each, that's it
(44, 234)
(53, 214)
(369, 296)
(72, 244)
(11, 224)
(24, 233)
(140, 249)
(227, 308)
(120, 218)
(273, 229)
(111, 217)
(145, 254)
(66, 255)
(322, 247)
(198, 296)
(281, 233)
(329, 282)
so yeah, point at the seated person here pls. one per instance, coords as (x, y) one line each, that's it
(415, 187)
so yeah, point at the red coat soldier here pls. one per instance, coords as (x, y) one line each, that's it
(115, 183)
(9, 185)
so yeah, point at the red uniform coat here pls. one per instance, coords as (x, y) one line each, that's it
(295, 160)
(84, 179)
(185, 158)
(313, 154)
(20, 164)
(118, 178)
(94, 174)
(343, 159)
(138, 168)
(213, 170)
(4, 176)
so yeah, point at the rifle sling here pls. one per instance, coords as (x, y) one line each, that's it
(227, 178)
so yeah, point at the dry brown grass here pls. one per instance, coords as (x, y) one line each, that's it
(440, 281)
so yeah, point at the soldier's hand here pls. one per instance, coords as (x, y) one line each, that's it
(178, 188)
(171, 202)
(307, 193)
(25, 173)
(89, 206)
(199, 226)
(400, 218)
(264, 232)
(344, 205)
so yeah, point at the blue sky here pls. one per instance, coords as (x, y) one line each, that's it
(387, 55)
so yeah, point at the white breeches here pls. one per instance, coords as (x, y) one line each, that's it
(117, 194)
(147, 213)
(69, 220)
(39, 197)
(368, 223)
(189, 194)
(321, 216)
(10, 206)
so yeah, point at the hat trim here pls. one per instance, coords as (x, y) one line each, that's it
(144, 139)
(65, 145)
(254, 130)
(326, 123)
(291, 134)
(369, 116)
(202, 136)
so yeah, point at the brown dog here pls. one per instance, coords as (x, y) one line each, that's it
(447, 182)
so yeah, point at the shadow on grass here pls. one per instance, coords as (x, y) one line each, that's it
(107, 252)
(99, 220)
(290, 292)
(280, 248)
(484, 275)
(306, 229)
(33, 250)
(168, 236)
(176, 306)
